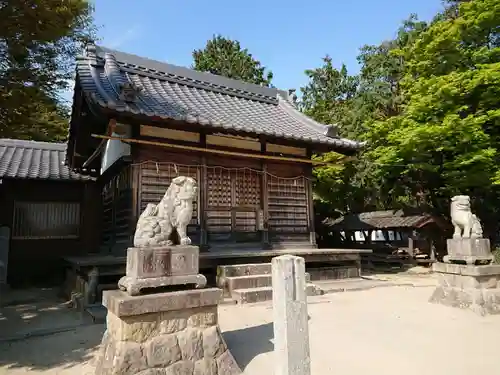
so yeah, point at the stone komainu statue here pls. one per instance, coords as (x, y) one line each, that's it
(156, 223)
(466, 224)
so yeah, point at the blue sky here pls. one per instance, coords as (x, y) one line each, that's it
(288, 36)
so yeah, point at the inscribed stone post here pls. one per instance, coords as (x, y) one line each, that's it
(291, 333)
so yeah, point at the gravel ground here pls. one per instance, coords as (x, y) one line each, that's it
(384, 331)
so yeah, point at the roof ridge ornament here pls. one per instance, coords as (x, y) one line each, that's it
(332, 130)
(292, 97)
(128, 91)
(91, 53)
(125, 89)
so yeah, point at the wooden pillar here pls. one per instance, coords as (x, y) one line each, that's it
(135, 187)
(368, 236)
(310, 201)
(411, 243)
(266, 244)
(265, 208)
(202, 204)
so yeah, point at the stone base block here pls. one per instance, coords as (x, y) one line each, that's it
(134, 286)
(167, 334)
(468, 250)
(155, 267)
(162, 261)
(470, 287)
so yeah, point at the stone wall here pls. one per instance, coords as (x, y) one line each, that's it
(178, 340)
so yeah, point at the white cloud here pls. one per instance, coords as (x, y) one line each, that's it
(129, 35)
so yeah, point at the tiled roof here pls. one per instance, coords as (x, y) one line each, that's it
(379, 220)
(34, 160)
(166, 91)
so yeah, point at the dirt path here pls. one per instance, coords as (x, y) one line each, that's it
(386, 331)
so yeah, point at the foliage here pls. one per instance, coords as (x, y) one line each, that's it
(326, 97)
(445, 140)
(496, 254)
(427, 103)
(353, 102)
(38, 43)
(225, 57)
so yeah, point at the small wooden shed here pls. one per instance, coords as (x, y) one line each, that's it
(47, 210)
(417, 234)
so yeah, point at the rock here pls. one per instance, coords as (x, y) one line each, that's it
(226, 365)
(137, 328)
(191, 344)
(206, 317)
(162, 351)
(205, 366)
(180, 368)
(212, 342)
(171, 324)
(128, 359)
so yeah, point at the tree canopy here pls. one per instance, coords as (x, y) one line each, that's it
(38, 42)
(427, 104)
(225, 57)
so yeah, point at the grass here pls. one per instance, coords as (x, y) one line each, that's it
(496, 253)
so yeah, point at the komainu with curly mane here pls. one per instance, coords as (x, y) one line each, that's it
(466, 224)
(157, 222)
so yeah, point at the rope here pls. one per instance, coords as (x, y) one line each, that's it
(177, 166)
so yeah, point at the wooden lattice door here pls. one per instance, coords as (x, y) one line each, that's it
(288, 209)
(233, 207)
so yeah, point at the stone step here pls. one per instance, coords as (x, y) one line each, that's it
(251, 281)
(252, 295)
(236, 270)
(333, 273)
(97, 313)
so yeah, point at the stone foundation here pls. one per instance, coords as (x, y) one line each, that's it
(164, 334)
(469, 287)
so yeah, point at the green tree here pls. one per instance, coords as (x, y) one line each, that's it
(353, 103)
(445, 140)
(225, 57)
(38, 42)
(327, 96)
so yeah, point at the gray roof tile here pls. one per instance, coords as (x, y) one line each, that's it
(34, 160)
(380, 220)
(177, 93)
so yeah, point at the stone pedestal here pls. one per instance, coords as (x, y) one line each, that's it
(470, 287)
(168, 334)
(469, 251)
(154, 267)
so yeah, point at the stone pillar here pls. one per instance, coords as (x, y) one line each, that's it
(291, 333)
(164, 333)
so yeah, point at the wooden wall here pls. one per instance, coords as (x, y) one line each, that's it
(117, 227)
(242, 202)
(40, 257)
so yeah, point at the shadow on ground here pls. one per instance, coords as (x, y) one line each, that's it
(37, 318)
(247, 343)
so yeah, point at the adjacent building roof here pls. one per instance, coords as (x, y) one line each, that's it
(380, 220)
(35, 160)
(134, 85)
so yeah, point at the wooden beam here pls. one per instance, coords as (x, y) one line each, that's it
(98, 150)
(220, 152)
